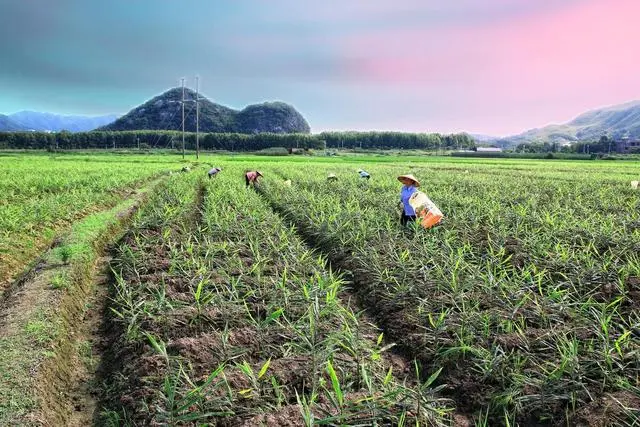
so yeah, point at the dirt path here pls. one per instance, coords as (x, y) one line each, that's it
(47, 322)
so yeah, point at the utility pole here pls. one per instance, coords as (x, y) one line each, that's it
(138, 141)
(197, 123)
(182, 119)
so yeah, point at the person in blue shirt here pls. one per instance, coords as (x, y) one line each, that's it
(410, 186)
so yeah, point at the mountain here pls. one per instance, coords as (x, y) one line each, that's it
(164, 112)
(33, 120)
(616, 122)
(8, 125)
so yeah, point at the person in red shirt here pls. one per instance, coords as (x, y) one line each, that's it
(252, 177)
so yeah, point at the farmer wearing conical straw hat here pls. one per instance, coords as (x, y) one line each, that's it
(252, 177)
(410, 186)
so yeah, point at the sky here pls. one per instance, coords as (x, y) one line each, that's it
(495, 67)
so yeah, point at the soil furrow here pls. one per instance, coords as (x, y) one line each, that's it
(401, 355)
(243, 301)
(42, 329)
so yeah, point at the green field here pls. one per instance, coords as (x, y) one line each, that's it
(309, 304)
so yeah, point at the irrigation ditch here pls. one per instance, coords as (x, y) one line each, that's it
(46, 322)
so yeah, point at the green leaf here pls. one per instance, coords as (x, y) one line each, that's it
(432, 378)
(264, 368)
(275, 315)
(388, 377)
(335, 383)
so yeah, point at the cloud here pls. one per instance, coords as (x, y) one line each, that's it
(486, 65)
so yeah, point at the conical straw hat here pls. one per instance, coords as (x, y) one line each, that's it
(411, 177)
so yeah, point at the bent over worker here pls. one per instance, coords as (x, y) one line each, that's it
(252, 177)
(410, 186)
(364, 174)
(213, 172)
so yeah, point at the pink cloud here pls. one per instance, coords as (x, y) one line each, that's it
(583, 41)
(555, 62)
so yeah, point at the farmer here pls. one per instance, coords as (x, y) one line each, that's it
(410, 186)
(332, 177)
(364, 174)
(252, 177)
(213, 172)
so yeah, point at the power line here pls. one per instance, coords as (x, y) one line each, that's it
(197, 124)
(182, 119)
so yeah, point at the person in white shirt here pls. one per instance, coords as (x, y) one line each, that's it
(213, 172)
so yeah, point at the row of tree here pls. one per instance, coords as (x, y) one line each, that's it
(605, 145)
(232, 141)
(394, 140)
(155, 139)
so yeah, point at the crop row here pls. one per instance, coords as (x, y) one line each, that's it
(223, 316)
(525, 296)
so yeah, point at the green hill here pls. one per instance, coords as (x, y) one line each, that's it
(164, 112)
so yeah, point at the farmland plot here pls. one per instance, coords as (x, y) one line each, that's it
(525, 296)
(39, 196)
(519, 309)
(225, 317)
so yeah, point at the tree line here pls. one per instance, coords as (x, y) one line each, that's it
(605, 145)
(230, 141)
(154, 139)
(393, 140)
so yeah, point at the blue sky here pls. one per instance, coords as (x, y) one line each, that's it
(487, 66)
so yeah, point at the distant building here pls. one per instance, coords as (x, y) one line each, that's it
(488, 150)
(626, 145)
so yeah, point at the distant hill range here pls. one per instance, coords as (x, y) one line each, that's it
(8, 125)
(48, 122)
(164, 112)
(616, 122)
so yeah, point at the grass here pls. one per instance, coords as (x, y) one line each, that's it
(519, 309)
(39, 320)
(510, 286)
(241, 320)
(42, 328)
(42, 196)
